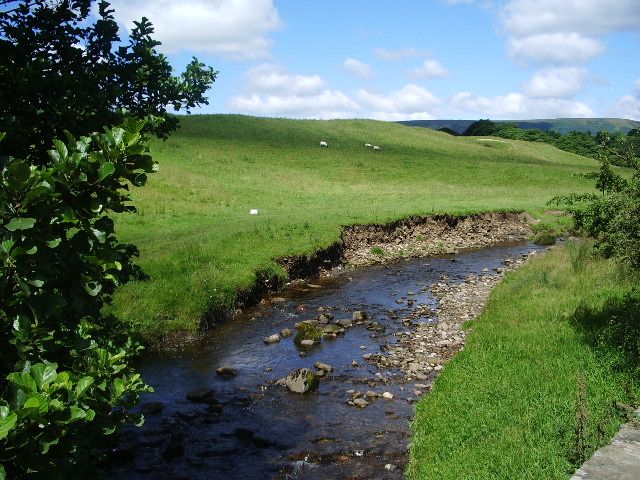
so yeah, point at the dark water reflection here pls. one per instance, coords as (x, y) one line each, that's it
(263, 430)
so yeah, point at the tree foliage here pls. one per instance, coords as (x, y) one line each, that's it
(66, 378)
(59, 70)
(613, 216)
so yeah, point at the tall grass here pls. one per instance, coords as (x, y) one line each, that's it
(200, 245)
(534, 392)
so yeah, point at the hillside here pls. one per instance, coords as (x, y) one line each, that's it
(199, 244)
(561, 125)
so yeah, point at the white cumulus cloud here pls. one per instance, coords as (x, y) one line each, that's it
(274, 91)
(517, 106)
(562, 82)
(235, 29)
(429, 69)
(556, 47)
(409, 102)
(358, 69)
(565, 31)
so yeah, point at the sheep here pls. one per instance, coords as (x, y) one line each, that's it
(376, 147)
(323, 144)
(368, 145)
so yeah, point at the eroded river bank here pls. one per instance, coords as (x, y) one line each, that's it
(356, 424)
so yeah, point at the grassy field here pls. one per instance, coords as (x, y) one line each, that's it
(507, 406)
(200, 245)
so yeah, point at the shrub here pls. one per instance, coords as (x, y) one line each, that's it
(66, 377)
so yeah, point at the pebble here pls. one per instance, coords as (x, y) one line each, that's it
(387, 396)
(360, 402)
(275, 338)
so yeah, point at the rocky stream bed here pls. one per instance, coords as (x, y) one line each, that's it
(222, 408)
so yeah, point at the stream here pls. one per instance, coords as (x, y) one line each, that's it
(260, 430)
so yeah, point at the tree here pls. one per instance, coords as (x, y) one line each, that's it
(481, 128)
(59, 71)
(66, 377)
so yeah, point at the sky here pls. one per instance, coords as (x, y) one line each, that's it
(406, 59)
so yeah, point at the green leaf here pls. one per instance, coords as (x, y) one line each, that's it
(101, 236)
(36, 283)
(93, 288)
(7, 245)
(83, 384)
(90, 415)
(76, 413)
(3, 473)
(61, 148)
(23, 381)
(20, 224)
(105, 170)
(18, 173)
(38, 402)
(44, 373)
(54, 243)
(7, 422)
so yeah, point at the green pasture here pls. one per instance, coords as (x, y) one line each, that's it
(199, 244)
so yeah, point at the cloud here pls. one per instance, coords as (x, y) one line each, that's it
(627, 106)
(637, 85)
(588, 17)
(410, 102)
(273, 90)
(516, 106)
(395, 55)
(429, 69)
(563, 82)
(556, 47)
(358, 69)
(565, 31)
(274, 79)
(234, 29)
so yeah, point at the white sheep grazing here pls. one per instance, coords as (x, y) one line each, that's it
(376, 147)
(368, 145)
(323, 144)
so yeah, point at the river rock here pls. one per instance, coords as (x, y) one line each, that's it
(345, 323)
(325, 318)
(332, 328)
(200, 395)
(360, 316)
(226, 372)
(323, 366)
(307, 343)
(360, 402)
(275, 338)
(285, 333)
(301, 380)
(387, 396)
(376, 327)
(151, 408)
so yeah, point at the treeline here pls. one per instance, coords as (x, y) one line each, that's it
(581, 143)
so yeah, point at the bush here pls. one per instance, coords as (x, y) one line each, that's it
(66, 377)
(613, 217)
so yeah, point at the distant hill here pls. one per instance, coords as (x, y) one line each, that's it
(562, 125)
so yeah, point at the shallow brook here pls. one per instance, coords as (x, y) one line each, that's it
(256, 429)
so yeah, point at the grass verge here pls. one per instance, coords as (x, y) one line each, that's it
(533, 393)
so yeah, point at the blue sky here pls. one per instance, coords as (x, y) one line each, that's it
(407, 59)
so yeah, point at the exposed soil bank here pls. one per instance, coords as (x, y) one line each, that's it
(431, 235)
